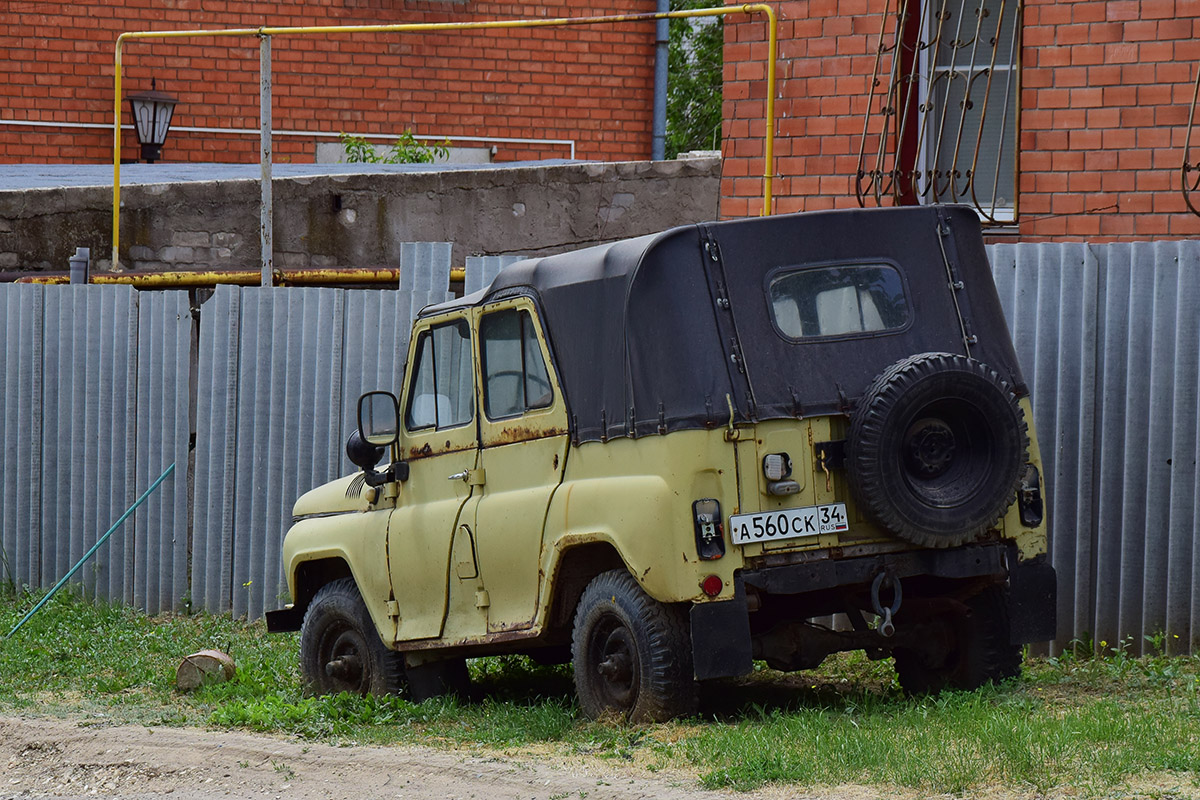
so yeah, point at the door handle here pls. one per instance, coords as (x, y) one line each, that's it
(473, 477)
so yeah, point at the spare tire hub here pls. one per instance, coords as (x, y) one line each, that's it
(929, 446)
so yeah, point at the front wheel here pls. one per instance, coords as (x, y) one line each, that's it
(632, 654)
(340, 650)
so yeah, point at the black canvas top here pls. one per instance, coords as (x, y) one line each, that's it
(671, 331)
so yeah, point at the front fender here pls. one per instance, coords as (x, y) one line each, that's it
(357, 540)
(338, 496)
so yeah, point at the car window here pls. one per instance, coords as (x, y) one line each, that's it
(442, 391)
(838, 300)
(515, 379)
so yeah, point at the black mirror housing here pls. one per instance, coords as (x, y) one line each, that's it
(362, 453)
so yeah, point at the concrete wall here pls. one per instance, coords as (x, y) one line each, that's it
(358, 220)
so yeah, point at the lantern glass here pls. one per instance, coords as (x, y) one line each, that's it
(151, 113)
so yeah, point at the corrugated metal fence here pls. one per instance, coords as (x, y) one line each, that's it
(94, 406)
(1109, 337)
(104, 387)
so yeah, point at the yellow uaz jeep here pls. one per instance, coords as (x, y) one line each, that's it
(667, 457)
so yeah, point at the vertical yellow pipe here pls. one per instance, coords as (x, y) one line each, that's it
(769, 142)
(116, 216)
(749, 8)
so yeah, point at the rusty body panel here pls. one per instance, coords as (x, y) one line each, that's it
(524, 457)
(421, 529)
(470, 645)
(430, 449)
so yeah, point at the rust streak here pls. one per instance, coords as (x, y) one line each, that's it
(509, 627)
(469, 641)
(523, 433)
(426, 450)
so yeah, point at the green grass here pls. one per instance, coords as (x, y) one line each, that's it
(1071, 726)
(953, 743)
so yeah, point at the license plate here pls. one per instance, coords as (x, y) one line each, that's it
(792, 523)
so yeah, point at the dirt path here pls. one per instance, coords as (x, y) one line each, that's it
(64, 758)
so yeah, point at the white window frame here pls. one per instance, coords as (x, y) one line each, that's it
(1007, 70)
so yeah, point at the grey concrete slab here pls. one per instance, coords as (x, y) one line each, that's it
(19, 177)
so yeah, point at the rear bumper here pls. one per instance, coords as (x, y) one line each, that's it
(721, 643)
(961, 562)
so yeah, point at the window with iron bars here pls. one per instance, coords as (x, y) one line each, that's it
(941, 122)
(1190, 175)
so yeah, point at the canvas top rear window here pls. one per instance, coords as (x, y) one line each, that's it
(840, 300)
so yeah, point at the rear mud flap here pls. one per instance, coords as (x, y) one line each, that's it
(1032, 601)
(721, 637)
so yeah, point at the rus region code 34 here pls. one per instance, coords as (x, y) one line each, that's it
(791, 523)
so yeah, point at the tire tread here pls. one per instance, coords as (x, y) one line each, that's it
(868, 428)
(342, 596)
(667, 686)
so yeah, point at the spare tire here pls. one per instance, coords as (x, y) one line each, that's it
(936, 449)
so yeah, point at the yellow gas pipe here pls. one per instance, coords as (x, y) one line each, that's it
(242, 277)
(426, 27)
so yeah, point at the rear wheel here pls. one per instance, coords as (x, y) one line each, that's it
(340, 649)
(969, 647)
(632, 654)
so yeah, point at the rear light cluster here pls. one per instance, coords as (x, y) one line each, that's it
(710, 529)
(777, 469)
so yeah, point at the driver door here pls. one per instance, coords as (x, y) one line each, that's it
(441, 445)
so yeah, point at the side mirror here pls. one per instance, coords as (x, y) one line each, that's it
(379, 418)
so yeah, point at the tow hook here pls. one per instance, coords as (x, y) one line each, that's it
(885, 580)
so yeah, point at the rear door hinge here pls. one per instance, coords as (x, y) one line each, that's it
(711, 249)
(830, 455)
(735, 355)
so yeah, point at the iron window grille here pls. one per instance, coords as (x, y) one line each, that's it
(1190, 174)
(941, 119)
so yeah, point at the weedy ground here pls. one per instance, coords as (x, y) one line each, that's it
(1092, 722)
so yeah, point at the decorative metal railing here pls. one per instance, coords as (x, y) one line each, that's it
(1190, 173)
(940, 124)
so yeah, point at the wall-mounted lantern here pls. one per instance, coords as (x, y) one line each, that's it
(152, 112)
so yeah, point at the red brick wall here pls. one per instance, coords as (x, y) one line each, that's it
(826, 55)
(1107, 90)
(593, 84)
(1106, 94)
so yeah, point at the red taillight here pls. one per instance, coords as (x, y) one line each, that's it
(712, 585)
